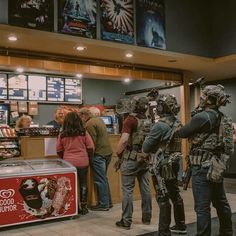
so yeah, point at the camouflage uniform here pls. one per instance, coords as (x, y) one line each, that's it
(133, 165)
(208, 155)
(161, 134)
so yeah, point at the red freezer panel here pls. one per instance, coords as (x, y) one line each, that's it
(34, 198)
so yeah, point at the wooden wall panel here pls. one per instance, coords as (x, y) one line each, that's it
(45, 66)
(68, 67)
(185, 113)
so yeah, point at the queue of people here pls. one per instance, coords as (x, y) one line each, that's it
(210, 133)
(150, 146)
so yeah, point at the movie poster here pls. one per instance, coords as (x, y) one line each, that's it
(78, 17)
(117, 20)
(36, 14)
(150, 23)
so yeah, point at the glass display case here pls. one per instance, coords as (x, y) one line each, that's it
(36, 190)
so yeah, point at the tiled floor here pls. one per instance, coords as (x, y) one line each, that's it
(103, 223)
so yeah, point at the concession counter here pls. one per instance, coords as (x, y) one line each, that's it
(36, 190)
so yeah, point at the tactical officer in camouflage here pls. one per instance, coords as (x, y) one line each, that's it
(161, 140)
(135, 128)
(210, 148)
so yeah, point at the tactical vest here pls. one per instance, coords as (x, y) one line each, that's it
(175, 142)
(171, 146)
(134, 148)
(136, 139)
(214, 142)
(143, 129)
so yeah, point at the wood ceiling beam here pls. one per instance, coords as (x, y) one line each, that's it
(88, 70)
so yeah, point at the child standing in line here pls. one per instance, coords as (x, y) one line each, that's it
(75, 145)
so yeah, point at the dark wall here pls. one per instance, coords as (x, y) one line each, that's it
(223, 26)
(3, 11)
(187, 26)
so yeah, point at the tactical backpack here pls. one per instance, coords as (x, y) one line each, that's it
(226, 134)
(219, 138)
(219, 165)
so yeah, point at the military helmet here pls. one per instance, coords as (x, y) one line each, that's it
(123, 106)
(167, 104)
(139, 104)
(214, 95)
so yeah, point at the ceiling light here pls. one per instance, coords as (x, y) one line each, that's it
(19, 69)
(79, 76)
(127, 80)
(12, 38)
(80, 48)
(129, 55)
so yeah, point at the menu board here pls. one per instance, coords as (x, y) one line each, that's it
(55, 89)
(73, 90)
(37, 87)
(17, 87)
(3, 86)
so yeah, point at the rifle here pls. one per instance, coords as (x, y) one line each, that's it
(187, 174)
(154, 168)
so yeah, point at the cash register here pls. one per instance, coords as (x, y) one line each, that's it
(109, 123)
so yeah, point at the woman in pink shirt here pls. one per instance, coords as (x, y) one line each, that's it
(75, 145)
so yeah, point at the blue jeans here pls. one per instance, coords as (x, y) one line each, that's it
(100, 165)
(204, 193)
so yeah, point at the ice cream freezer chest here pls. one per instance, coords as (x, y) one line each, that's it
(36, 190)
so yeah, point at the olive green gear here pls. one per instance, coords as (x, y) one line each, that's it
(123, 106)
(139, 104)
(214, 95)
(167, 104)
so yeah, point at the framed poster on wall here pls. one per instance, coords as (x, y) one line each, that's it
(37, 87)
(150, 23)
(73, 90)
(3, 86)
(117, 20)
(55, 89)
(77, 17)
(17, 87)
(36, 14)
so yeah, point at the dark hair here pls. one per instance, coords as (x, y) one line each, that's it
(72, 125)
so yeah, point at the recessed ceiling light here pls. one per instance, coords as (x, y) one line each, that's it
(12, 38)
(19, 69)
(80, 48)
(79, 76)
(127, 80)
(129, 55)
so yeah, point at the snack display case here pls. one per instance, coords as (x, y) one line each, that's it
(36, 190)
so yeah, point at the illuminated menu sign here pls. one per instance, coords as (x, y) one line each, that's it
(55, 89)
(73, 90)
(37, 87)
(17, 87)
(3, 86)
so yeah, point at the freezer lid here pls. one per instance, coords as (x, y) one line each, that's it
(39, 166)
(48, 164)
(10, 167)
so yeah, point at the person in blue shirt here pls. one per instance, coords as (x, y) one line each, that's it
(58, 118)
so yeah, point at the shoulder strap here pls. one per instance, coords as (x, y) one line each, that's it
(173, 127)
